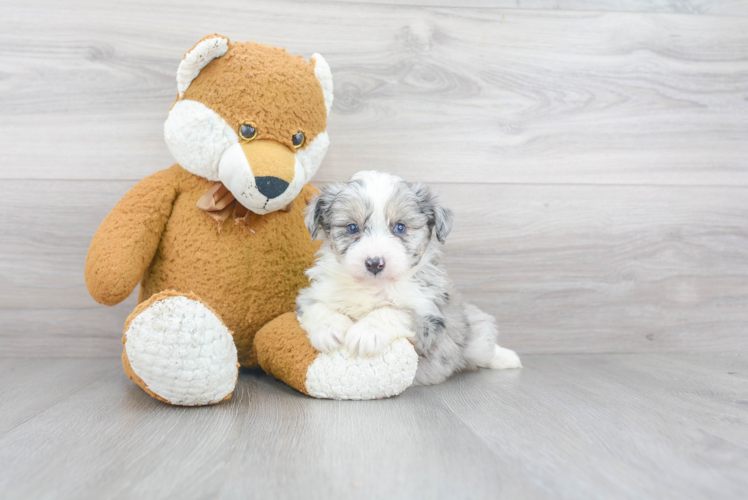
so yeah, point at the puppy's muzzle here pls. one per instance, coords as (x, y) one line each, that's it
(375, 265)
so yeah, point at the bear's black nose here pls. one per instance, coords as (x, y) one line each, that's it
(375, 265)
(272, 187)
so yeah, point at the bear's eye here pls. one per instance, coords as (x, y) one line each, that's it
(298, 139)
(247, 132)
(352, 228)
(399, 228)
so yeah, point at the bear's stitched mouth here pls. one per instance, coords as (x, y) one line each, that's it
(220, 203)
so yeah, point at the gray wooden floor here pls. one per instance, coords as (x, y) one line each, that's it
(567, 426)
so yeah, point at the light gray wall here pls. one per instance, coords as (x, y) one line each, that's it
(597, 159)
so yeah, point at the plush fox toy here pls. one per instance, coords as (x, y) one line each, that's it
(218, 241)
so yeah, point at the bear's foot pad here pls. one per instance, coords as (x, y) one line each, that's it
(341, 375)
(182, 352)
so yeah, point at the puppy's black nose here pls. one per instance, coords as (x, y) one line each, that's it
(272, 187)
(375, 265)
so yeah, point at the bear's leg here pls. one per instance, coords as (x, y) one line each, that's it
(284, 351)
(179, 351)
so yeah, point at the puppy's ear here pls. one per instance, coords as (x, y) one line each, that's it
(443, 218)
(440, 218)
(317, 212)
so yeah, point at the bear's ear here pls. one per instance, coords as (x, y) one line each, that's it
(198, 57)
(323, 74)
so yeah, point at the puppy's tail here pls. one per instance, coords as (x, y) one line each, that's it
(482, 348)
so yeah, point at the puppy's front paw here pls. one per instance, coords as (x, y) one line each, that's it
(365, 339)
(328, 336)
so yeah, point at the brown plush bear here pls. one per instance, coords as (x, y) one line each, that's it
(218, 241)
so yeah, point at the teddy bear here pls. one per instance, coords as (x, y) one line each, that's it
(218, 242)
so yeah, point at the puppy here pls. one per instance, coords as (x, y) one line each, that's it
(378, 276)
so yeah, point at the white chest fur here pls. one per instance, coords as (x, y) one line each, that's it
(357, 299)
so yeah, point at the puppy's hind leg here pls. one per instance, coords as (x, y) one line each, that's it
(503, 359)
(482, 348)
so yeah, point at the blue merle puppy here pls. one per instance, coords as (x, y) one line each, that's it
(379, 277)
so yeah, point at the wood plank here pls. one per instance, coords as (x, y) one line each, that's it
(566, 426)
(623, 426)
(710, 7)
(45, 309)
(112, 438)
(440, 94)
(611, 269)
(32, 386)
(563, 268)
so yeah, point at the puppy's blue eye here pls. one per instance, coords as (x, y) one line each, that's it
(399, 228)
(352, 228)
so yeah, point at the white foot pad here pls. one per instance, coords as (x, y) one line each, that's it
(182, 352)
(339, 375)
(503, 359)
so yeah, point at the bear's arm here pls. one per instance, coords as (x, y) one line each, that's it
(126, 241)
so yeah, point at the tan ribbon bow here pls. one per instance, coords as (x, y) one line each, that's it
(219, 203)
